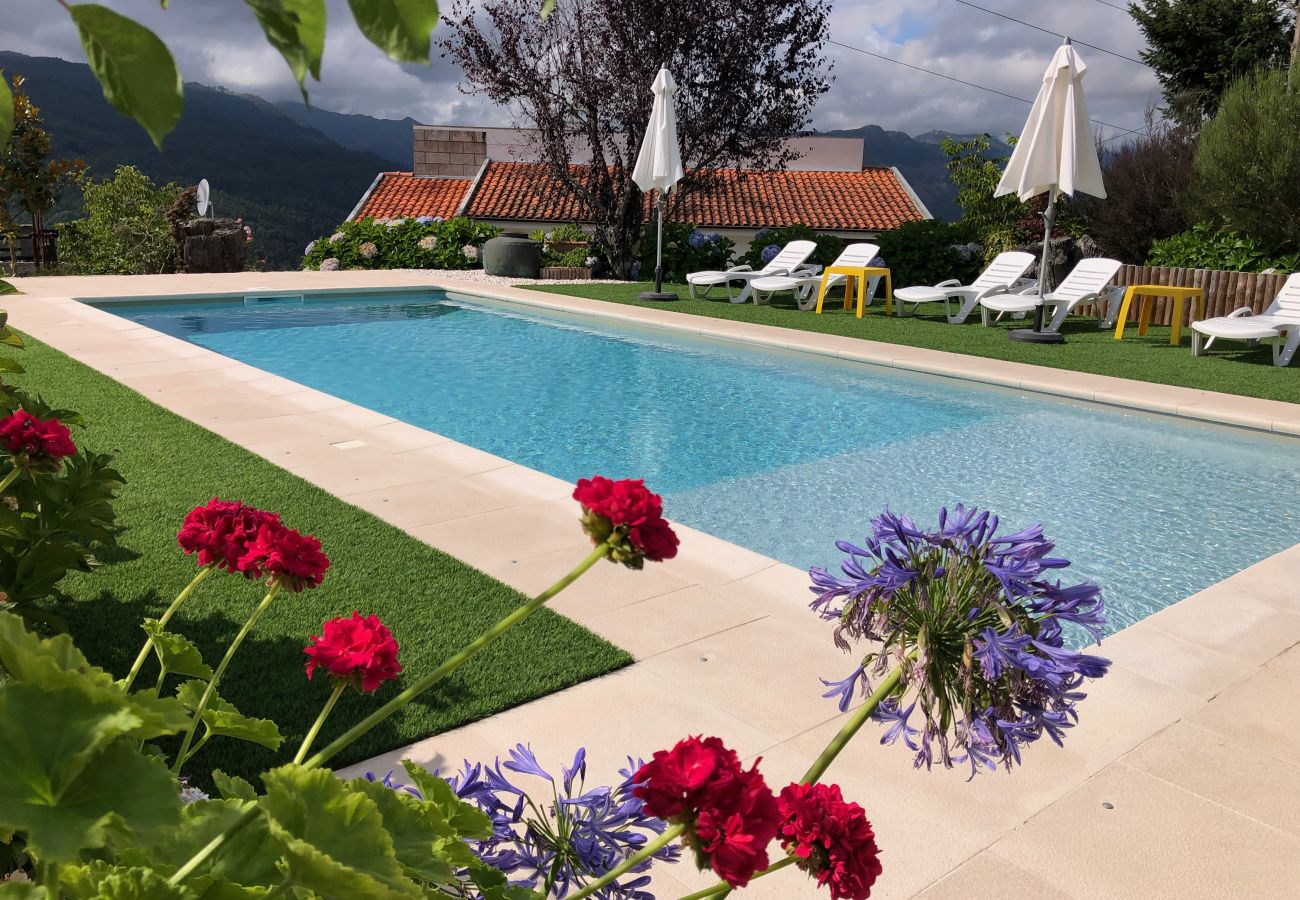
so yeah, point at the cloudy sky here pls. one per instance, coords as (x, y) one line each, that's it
(218, 42)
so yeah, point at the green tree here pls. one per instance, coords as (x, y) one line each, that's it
(996, 222)
(125, 231)
(1197, 47)
(1247, 161)
(30, 182)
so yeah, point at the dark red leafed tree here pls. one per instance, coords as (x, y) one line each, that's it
(749, 73)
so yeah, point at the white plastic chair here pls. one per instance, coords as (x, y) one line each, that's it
(1001, 276)
(804, 282)
(788, 260)
(1279, 324)
(1085, 284)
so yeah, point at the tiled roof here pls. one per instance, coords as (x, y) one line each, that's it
(869, 200)
(402, 194)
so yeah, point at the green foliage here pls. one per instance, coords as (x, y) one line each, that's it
(1247, 162)
(138, 74)
(220, 718)
(296, 28)
(829, 246)
(686, 250)
(995, 222)
(400, 28)
(400, 244)
(1206, 247)
(125, 231)
(6, 110)
(1198, 47)
(925, 251)
(554, 253)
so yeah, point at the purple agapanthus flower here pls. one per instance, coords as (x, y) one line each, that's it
(571, 836)
(975, 624)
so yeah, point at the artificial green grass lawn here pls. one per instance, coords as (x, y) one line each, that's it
(433, 603)
(1234, 369)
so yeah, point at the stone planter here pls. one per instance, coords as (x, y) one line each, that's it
(566, 273)
(512, 257)
(213, 245)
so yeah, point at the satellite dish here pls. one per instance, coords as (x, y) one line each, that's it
(204, 204)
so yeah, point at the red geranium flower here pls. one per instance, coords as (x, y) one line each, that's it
(628, 506)
(729, 813)
(359, 649)
(221, 531)
(831, 838)
(45, 442)
(295, 559)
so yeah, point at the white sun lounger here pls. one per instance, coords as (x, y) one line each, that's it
(787, 261)
(1279, 324)
(804, 282)
(1084, 284)
(1001, 276)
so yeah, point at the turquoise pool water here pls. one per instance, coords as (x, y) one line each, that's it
(781, 453)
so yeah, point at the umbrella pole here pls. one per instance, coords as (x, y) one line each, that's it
(1036, 334)
(658, 293)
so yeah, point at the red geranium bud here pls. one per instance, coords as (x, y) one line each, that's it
(295, 559)
(831, 838)
(43, 442)
(630, 508)
(359, 649)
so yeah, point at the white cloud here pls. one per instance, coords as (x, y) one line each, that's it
(218, 42)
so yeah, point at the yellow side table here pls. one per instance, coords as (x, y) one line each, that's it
(860, 274)
(1149, 292)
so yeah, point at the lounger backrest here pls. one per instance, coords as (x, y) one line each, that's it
(791, 256)
(1005, 270)
(857, 255)
(1088, 277)
(1287, 301)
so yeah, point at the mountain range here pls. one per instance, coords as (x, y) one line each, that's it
(294, 172)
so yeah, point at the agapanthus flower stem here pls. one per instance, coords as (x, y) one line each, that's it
(406, 696)
(339, 686)
(721, 889)
(464, 655)
(10, 478)
(851, 727)
(211, 689)
(669, 835)
(166, 617)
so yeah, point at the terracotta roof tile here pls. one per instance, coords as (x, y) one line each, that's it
(402, 194)
(869, 200)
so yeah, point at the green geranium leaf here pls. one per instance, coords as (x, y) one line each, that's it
(8, 336)
(68, 778)
(22, 890)
(100, 881)
(232, 787)
(55, 663)
(332, 837)
(421, 839)
(176, 653)
(400, 28)
(222, 718)
(10, 366)
(6, 110)
(249, 858)
(465, 821)
(134, 67)
(297, 29)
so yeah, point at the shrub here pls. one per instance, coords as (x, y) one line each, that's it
(1247, 161)
(829, 246)
(1147, 181)
(1205, 247)
(419, 243)
(686, 249)
(125, 231)
(565, 234)
(928, 251)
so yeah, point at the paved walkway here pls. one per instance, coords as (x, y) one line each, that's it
(1178, 781)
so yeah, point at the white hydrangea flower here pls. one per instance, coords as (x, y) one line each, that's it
(336, 237)
(330, 265)
(368, 250)
(429, 242)
(470, 251)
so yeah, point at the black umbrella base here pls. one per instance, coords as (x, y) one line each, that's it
(1036, 337)
(656, 295)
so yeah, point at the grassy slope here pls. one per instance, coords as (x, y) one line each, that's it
(1235, 369)
(433, 603)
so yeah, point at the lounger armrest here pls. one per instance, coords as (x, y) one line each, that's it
(994, 289)
(951, 282)
(810, 269)
(1240, 313)
(740, 269)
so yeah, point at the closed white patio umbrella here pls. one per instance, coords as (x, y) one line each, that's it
(659, 165)
(1055, 155)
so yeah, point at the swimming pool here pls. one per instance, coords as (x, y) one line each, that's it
(779, 452)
